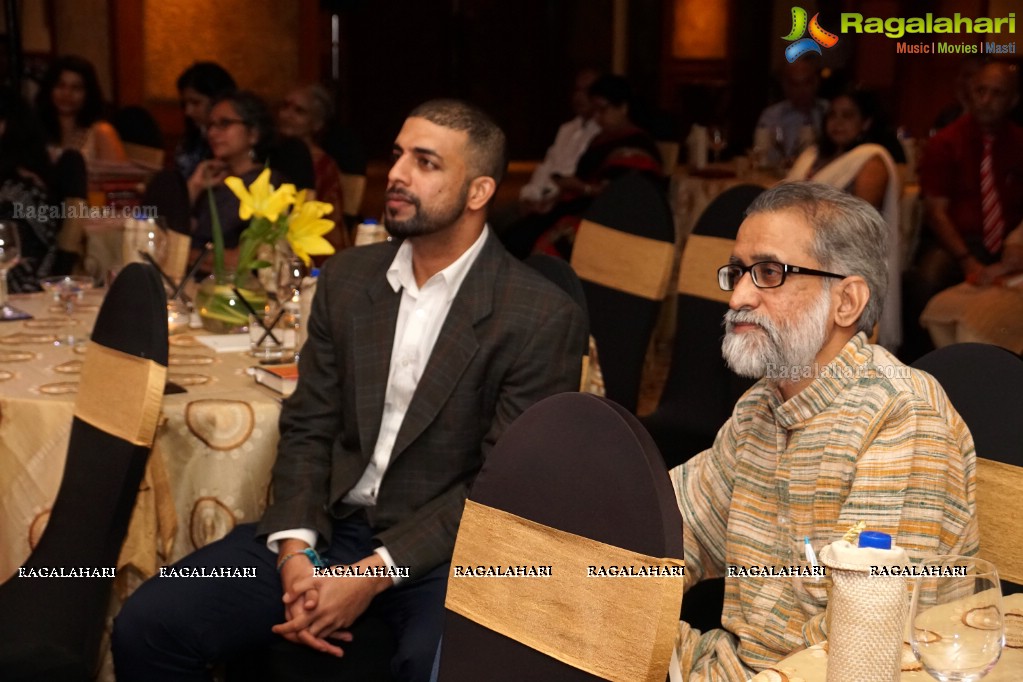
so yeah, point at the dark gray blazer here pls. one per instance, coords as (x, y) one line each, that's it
(510, 339)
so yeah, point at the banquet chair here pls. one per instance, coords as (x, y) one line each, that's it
(700, 391)
(983, 382)
(50, 629)
(624, 253)
(168, 192)
(561, 273)
(573, 483)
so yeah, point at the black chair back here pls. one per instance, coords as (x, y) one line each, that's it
(580, 464)
(624, 252)
(983, 381)
(700, 391)
(51, 628)
(561, 273)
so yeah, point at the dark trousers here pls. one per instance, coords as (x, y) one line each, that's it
(180, 628)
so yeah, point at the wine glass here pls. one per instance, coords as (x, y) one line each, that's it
(68, 290)
(717, 140)
(956, 627)
(10, 252)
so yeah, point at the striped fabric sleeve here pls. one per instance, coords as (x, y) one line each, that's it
(703, 487)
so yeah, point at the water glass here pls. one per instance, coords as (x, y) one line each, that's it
(957, 628)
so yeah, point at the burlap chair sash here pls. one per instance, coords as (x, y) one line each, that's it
(121, 394)
(999, 515)
(625, 262)
(698, 273)
(596, 623)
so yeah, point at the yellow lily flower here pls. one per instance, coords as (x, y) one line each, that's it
(306, 227)
(261, 199)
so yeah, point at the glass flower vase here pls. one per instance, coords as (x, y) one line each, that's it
(224, 306)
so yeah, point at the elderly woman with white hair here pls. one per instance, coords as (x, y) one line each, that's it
(304, 114)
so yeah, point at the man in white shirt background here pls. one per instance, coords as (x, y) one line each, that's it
(540, 193)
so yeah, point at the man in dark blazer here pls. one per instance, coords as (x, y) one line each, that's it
(419, 355)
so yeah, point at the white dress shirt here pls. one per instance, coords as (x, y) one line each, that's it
(421, 315)
(792, 121)
(569, 144)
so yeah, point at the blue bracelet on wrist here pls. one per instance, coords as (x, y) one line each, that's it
(309, 552)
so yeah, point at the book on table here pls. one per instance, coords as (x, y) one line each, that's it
(280, 378)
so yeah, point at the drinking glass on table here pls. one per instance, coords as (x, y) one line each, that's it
(10, 252)
(67, 290)
(956, 626)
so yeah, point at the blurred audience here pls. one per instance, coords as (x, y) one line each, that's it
(970, 181)
(800, 109)
(70, 106)
(198, 87)
(849, 157)
(303, 115)
(621, 147)
(571, 141)
(968, 68)
(27, 193)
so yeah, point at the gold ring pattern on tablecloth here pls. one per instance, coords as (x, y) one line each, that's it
(183, 379)
(210, 521)
(49, 323)
(1014, 630)
(184, 360)
(16, 355)
(69, 367)
(221, 424)
(79, 307)
(185, 341)
(5, 375)
(59, 388)
(20, 338)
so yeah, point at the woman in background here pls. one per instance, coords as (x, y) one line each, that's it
(619, 148)
(850, 156)
(240, 133)
(198, 87)
(70, 106)
(303, 115)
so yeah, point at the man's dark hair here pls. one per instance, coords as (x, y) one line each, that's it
(487, 145)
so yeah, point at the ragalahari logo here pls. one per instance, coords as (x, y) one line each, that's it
(818, 36)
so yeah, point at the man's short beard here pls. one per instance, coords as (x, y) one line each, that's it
(423, 222)
(785, 348)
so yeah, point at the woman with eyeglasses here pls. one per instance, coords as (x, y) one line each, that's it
(70, 106)
(199, 86)
(304, 114)
(853, 156)
(240, 132)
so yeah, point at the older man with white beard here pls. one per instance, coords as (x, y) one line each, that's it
(837, 431)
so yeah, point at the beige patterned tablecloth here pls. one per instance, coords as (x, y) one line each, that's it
(811, 665)
(966, 313)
